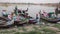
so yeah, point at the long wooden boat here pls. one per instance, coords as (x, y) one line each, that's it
(5, 23)
(52, 20)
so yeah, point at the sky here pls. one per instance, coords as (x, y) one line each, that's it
(31, 1)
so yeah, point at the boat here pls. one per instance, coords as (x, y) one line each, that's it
(51, 20)
(23, 14)
(26, 20)
(5, 23)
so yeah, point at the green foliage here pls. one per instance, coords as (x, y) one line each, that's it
(7, 32)
(57, 25)
(17, 33)
(43, 30)
(24, 29)
(35, 28)
(48, 31)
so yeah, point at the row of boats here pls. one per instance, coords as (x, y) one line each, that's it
(4, 22)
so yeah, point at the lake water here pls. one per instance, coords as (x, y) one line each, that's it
(32, 9)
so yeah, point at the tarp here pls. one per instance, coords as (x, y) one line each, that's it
(51, 12)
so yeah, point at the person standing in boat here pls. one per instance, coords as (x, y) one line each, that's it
(54, 15)
(18, 17)
(45, 14)
(10, 19)
(16, 11)
(10, 16)
(56, 11)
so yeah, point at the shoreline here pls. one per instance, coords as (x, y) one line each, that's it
(45, 4)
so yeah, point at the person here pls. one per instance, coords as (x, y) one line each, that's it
(54, 15)
(16, 11)
(10, 19)
(37, 18)
(10, 16)
(14, 17)
(56, 11)
(45, 14)
(18, 17)
(4, 13)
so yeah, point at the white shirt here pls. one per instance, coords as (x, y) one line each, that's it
(9, 17)
(4, 13)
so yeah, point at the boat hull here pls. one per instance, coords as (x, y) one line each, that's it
(50, 20)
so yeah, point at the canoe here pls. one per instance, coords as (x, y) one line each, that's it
(52, 20)
(4, 22)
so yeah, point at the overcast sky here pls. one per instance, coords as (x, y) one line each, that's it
(31, 1)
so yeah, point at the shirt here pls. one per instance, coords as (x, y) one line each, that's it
(9, 17)
(4, 13)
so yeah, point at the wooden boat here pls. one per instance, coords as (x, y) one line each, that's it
(25, 21)
(52, 20)
(22, 13)
(5, 23)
